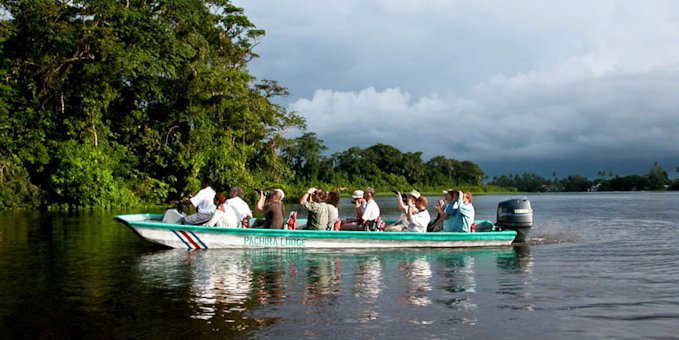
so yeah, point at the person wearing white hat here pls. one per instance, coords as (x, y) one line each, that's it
(359, 203)
(414, 214)
(367, 211)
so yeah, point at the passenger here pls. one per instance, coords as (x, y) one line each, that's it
(224, 216)
(462, 217)
(466, 209)
(270, 204)
(437, 223)
(359, 204)
(416, 216)
(372, 211)
(368, 211)
(332, 203)
(239, 206)
(314, 201)
(203, 201)
(403, 206)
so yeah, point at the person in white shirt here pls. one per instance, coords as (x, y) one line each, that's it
(418, 217)
(203, 201)
(239, 206)
(372, 210)
(224, 216)
(368, 212)
(413, 212)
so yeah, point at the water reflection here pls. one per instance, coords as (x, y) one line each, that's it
(368, 286)
(323, 275)
(417, 275)
(517, 286)
(458, 269)
(252, 288)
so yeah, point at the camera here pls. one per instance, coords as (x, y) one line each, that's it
(266, 193)
(404, 198)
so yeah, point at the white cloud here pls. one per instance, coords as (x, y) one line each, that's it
(525, 117)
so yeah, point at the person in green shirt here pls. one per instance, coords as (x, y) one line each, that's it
(314, 201)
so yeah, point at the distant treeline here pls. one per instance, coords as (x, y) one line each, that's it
(380, 166)
(122, 103)
(655, 179)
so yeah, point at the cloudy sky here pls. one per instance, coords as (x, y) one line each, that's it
(571, 87)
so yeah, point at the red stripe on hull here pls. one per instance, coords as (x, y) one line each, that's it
(190, 239)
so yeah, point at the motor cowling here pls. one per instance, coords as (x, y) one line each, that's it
(515, 214)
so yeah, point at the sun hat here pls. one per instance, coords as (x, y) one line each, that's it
(448, 191)
(357, 194)
(414, 193)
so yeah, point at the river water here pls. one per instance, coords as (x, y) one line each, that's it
(598, 265)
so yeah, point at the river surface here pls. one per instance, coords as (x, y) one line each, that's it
(598, 265)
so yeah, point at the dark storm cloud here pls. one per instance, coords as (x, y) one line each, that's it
(542, 82)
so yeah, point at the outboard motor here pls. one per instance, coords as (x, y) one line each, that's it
(515, 214)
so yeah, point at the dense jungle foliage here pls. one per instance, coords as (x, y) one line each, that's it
(117, 103)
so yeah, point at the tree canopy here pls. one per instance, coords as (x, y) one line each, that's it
(139, 99)
(112, 103)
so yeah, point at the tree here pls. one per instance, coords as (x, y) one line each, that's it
(525, 182)
(304, 156)
(657, 177)
(575, 183)
(158, 90)
(440, 170)
(469, 173)
(628, 183)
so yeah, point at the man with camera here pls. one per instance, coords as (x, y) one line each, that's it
(270, 204)
(368, 212)
(314, 201)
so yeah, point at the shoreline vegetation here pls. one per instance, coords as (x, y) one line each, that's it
(122, 104)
